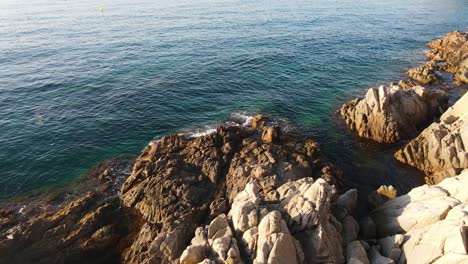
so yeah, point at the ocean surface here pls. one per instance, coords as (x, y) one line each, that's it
(78, 85)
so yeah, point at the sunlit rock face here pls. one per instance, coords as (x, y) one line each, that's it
(390, 114)
(432, 220)
(451, 52)
(441, 149)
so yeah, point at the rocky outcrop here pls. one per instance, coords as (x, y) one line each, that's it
(181, 186)
(441, 149)
(425, 225)
(68, 227)
(425, 74)
(389, 114)
(451, 52)
(291, 224)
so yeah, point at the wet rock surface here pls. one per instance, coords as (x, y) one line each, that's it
(390, 114)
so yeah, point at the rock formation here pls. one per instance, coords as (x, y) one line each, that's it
(238, 195)
(441, 149)
(425, 225)
(451, 52)
(425, 74)
(391, 114)
(68, 227)
(292, 224)
(447, 54)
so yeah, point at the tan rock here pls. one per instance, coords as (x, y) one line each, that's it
(271, 135)
(451, 51)
(440, 149)
(424, 74)
(275, 243)
(259, 121)
(391, 114)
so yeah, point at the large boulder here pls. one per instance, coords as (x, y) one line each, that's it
(390, 114)
(431, 219)
(441, 149)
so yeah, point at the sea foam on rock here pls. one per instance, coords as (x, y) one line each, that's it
(390, 114)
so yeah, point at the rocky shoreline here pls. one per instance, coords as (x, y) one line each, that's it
(262, 194)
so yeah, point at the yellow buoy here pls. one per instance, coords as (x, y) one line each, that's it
(101, 9)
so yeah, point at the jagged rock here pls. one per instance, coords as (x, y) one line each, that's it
(259, 121)
(306, 205)
(452, 51)
(406, 84)
(424, 74)
(440, 150)
(275, 244)
(244, 209)
(356, 254)
(85, 226)
(271, 135)
(178, 184)
(381, 195)
(213, 243)
(274, 164)
(391, 114)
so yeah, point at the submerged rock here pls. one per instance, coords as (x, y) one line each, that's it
(441, 149)
(390, 114)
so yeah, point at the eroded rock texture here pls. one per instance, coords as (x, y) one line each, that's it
(441, 149)
(426, 225)
(425, 74)
(178, 184)
(68, 227)
(389, 114)
(451, 52)
(292, 224)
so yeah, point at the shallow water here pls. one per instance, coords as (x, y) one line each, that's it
(78, 86)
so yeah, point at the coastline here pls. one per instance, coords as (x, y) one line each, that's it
(214, 179)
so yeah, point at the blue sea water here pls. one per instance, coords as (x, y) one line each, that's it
(78, 86)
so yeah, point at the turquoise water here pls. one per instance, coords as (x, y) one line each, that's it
(78, 86)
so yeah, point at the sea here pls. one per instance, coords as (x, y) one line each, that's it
(88, 80)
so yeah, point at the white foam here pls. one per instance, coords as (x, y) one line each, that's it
(244, 117)
(202, 133)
